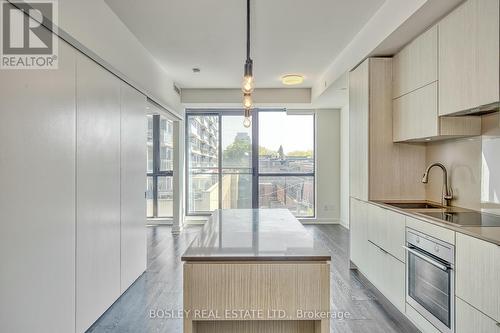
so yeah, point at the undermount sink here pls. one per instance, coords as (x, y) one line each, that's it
(414, 205)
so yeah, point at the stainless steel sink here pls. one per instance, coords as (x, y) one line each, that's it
(414, 205)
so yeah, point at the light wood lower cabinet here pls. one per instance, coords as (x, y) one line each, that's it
(251, 296)
(386, 229)
(470, 320)
(388, 275)
(359, 234)
(478, 274)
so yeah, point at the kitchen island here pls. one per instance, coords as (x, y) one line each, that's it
(256, 271)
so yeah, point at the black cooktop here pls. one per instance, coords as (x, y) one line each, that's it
(467, 219)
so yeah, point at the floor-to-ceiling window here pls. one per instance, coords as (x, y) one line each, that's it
(286, 162)
(159, 167)
(219, 162)
(270, 165)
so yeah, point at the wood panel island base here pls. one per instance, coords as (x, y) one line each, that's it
(256, 271)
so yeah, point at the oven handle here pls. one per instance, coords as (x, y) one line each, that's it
(429, 260)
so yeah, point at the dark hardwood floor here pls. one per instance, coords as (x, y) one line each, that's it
(160, 287)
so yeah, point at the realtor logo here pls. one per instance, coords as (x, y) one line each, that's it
(27, 41)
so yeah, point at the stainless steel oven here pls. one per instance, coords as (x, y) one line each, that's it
(430, 279)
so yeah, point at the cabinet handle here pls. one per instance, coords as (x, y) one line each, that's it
(426, 258)
(381, 249)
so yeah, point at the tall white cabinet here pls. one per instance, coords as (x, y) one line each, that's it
(98, 191)
(37, 198)
(72, 205)
(133, 171)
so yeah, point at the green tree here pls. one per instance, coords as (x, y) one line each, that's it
(300, 153)
(237, 152)
(263, 151)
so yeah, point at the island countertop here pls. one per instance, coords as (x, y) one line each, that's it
(255, 235)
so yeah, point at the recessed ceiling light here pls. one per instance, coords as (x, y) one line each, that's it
(292, 79)
(196, 70)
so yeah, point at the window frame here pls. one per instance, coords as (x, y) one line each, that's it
(157, 172)
(219, 112)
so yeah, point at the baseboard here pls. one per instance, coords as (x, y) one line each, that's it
(344, 223)
(319, 221)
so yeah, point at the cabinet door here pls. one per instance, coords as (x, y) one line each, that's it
(470, 320)
(395, 234)
(133, 183)
(478, 274)
(377, 225)
(358, 133)
(37, 200)
(98, 192)
(394, 281)
(468, 56)
(387, 274)
(416, 114)
(359, 234)
(415, 65)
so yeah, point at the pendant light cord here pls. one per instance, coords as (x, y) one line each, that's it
(248, 29)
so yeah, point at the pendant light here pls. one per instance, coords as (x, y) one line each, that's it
(248, 79)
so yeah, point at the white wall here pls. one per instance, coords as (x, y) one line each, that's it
(344, 166)
(94, 25)
(327, 166)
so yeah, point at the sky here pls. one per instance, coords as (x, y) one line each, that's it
(294, 132)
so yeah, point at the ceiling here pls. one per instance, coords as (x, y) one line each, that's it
(288, 36)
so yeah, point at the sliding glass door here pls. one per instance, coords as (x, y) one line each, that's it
(270, 165)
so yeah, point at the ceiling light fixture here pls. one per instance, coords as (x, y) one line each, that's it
(292, 79)
(248, 79)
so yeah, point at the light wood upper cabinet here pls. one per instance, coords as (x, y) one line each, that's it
(416, 65)
(478, 274)
(373, 155)
(469, 57)
(416, 114)
(358, 123)
(416, 118)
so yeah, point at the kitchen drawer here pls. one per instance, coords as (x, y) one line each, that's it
(478, 274)
(386, 229)
(387, 274)
(431, 229)
(469, 319)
